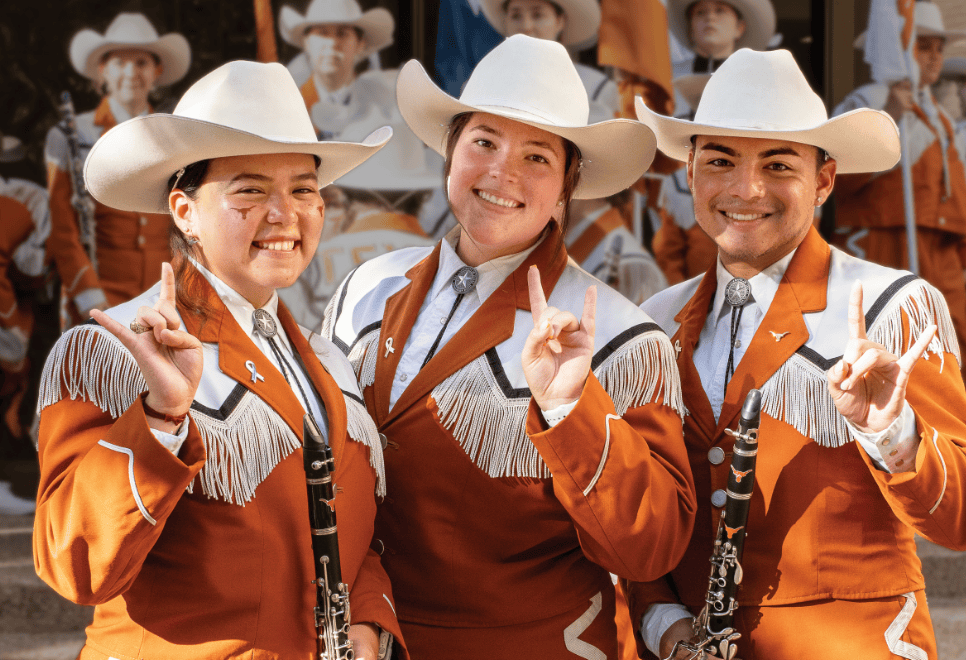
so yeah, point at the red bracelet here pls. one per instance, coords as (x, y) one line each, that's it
(151, 412)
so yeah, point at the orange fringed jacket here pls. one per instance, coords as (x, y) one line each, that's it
(205, 554)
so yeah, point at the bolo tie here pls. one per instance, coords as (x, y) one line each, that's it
(265, 326)
(736, 294)
(463, 282)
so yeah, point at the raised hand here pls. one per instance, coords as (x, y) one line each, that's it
(868, 385)
(170, 359)
(556, 357)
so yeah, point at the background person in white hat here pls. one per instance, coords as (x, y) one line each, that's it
(125, 63)
(574, 23)
(862, 441)
(382, 198)
(26, 294)
(172, 491)
(337, 36)
(869, 208)
(713, 30)
(519, 477)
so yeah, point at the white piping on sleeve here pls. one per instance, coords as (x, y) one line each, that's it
(603, 458)
(935, 441)
(130, 476)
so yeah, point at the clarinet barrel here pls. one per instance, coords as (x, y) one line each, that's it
(332, 594)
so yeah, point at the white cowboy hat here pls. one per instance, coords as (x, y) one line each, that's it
(954, 67)
(239, 109)
(583, 20)
(758, 15)
(377, 24)
(929, 23)
(691, 87)
(131, 31)
(404, 164)
(765, 95)
(532, 81)
(11, 149)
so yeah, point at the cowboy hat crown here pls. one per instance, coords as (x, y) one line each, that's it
(377, 24)
(131, 30)
(765, 95)
(239, 109)
(532, 81)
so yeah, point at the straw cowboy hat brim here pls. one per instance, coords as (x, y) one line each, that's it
(11, 149)
(240, 109)
(758, 15)
(765, 95)
(929, 23)
(580, 28)
(88, 47)
(377, 26)
(614, 153)
(691, 87)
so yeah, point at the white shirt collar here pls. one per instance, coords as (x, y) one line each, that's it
(764, 285)
(239, 307)
(492, 273)
(337, 96)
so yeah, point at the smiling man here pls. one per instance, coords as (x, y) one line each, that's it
(862, 442)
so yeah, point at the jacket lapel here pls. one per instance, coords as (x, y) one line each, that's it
(691, 319)
(236, 351)
(490, 325)
(803, 290)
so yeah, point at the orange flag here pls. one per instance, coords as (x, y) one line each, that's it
(265, 32)
(634, 39)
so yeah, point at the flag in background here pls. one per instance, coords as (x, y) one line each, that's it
(634, 39)
(889, 42)
(463, 37)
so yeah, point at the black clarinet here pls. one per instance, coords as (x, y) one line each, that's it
(331, 593)
(714, 632)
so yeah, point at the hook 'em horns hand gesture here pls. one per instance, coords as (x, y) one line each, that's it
(557, 354)
(868, 385)
(170, 359)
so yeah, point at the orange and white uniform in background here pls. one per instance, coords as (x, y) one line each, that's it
(682, 249)
(130, 246)
(870, 215)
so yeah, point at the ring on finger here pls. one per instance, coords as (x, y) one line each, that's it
(138, 328)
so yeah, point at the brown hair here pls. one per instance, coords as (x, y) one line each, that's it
(557, 8)
(572, 164)
(188, 297)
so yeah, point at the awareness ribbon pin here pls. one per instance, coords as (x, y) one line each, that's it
(389, 348)
(255, 375)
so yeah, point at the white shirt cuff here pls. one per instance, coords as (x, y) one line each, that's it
(556, 415)
(655, 622)
(88, 299)
(894, 449)
(170, 441)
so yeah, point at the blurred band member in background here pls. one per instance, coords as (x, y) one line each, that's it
(125, 63)
(381, 200)
(869, 207)
(337, 36)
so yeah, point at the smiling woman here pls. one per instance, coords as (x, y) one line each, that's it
(535, 445)
(171, 464)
